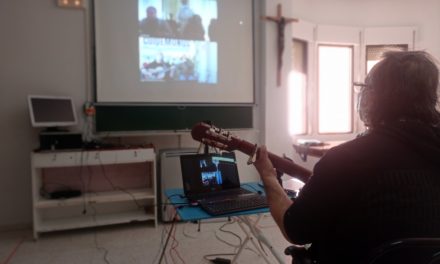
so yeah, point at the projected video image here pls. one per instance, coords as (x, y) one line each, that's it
(210, 173)
(177, 40)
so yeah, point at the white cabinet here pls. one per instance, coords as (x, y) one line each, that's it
(117, 186)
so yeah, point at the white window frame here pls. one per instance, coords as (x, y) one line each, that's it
(357, 37)
(305, 31)
(292, 91)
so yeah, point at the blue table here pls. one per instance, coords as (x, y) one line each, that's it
(187, 212)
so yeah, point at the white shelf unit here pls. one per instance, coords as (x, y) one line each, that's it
(93, 208)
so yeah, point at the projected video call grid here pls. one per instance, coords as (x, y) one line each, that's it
(177, 40)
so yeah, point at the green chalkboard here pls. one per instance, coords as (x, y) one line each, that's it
(120, 118)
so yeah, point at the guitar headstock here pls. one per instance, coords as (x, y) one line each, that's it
(214, 136)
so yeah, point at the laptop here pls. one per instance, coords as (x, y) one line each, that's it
(211, 176)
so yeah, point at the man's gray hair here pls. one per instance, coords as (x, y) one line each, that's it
(403, 85)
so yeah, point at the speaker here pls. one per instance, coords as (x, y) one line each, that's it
(60, 140)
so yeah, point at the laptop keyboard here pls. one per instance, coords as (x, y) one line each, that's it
(241, 203)
(220, 195)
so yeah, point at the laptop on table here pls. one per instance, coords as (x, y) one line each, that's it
(212, 181)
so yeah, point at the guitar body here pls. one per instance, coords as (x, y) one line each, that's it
(221, 139)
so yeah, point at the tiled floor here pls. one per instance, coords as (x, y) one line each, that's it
(134, 243)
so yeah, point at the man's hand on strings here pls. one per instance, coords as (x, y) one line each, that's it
(263, 164)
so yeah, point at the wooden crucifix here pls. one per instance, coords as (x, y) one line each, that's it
(281, 24)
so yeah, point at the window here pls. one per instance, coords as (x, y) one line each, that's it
(298, 89)
(374, 53)
(326, 60)
(335, 70)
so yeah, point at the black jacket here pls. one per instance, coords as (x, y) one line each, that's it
(381, 186)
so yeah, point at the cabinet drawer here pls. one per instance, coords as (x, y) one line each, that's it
(55, 159)
(81, 158)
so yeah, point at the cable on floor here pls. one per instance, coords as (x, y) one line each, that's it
(162, 236)
(14, 251)
(229, 232)
(95, 238)
(173, 247)
(168, 238)
(186, 234)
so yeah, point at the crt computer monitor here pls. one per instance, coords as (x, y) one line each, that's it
(51, 111)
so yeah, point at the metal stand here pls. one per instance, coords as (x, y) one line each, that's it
(254, 234)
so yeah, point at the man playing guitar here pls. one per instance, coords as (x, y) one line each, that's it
(381, 186)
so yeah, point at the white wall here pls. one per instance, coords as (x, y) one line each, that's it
(377, 13)
(41, 51)
(275, 127)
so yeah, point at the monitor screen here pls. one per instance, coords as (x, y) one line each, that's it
(203, 173)
(51, 111)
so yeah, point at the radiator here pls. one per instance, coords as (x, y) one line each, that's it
(170, 176)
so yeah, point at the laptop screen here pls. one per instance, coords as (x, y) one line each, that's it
(204, 173)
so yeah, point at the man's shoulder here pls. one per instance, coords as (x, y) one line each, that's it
(362, 142)
(350, 145)
(353, 153)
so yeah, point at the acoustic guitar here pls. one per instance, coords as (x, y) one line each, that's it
(219, 138)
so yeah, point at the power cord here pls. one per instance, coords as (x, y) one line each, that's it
(95, 237)
(14, 251)
(104, 174)
(168, 238)
(218, 259)
(229, 232)
(173, 247)
(161, 246)
(84, 211)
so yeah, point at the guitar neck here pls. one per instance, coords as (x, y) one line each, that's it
(281, 164)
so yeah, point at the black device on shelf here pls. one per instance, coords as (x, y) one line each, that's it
(63, 194)
(55, 114)
(60, 140)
